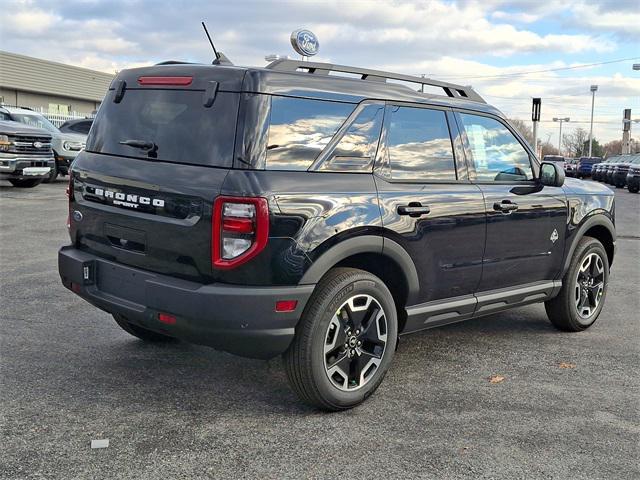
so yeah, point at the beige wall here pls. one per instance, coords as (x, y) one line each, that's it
(37, 100)
(28, 74)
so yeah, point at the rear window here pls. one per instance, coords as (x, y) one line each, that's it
(167, 125)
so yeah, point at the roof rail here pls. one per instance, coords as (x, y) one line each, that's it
(450, 89)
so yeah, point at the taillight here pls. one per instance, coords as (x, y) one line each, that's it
(240, 230)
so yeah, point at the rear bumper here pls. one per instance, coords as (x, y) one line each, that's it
(237, 319)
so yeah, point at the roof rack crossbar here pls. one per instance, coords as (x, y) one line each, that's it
(450, 89)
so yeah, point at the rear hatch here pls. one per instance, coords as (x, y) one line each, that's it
(157, 155)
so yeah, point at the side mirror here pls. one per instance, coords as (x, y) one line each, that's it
(551, 174)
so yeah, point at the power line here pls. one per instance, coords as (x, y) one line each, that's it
(558, 69)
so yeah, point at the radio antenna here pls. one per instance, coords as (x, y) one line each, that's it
(210, 41)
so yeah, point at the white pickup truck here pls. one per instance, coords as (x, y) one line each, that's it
(26, 157)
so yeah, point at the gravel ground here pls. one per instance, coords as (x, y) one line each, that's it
(68, 375)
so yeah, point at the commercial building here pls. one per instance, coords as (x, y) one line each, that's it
(50, 87)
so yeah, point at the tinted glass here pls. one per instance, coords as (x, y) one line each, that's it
(300, 129)
(81, 127)
(419, 145)
(174, 122)
(356, 149)
(496, 153)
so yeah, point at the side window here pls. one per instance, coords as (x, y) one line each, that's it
(356, 149)
(419, 145)
(496, 154)
(4, 116)
(300, 129)
(81, 127)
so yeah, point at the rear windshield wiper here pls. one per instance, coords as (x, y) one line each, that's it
(150, 147)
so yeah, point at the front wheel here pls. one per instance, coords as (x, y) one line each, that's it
(25, 182)
(633, 189)
(584, 288)
(344, 342)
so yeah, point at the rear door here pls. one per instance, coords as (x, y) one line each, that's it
(430, 208)
(157, 155)
(526, 223)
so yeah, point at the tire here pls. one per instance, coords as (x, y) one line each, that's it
(141, 333)
(53, 174)
(25, 182)
(632, 189)
(563, 311)
(317, 361)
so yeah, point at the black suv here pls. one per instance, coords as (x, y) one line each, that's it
(289, 210)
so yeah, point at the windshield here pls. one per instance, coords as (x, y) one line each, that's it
(35, 120)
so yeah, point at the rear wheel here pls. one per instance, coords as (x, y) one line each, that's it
(25, 182)
(584, 288)
(141, 333)
(344, 342)
(633, 189)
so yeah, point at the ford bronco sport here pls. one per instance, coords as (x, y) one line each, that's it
(291, 211)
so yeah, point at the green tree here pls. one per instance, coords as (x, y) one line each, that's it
(597, 150)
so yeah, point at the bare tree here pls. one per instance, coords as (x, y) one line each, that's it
(524, 129)
(548, 149)
(573, 143)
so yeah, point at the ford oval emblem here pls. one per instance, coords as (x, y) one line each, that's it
(77, 216)
(305, 42)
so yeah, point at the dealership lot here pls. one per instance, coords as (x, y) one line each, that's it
(69, 374)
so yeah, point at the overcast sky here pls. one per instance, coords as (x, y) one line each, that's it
(487, 44)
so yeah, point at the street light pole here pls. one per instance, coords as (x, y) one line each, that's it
(594, 89)
(565, 119)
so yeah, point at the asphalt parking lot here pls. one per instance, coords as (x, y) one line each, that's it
(69, 374)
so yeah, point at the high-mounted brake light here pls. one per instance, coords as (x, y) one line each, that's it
(240, 230)
(182, 81)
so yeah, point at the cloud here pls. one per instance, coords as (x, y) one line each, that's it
(457, 41)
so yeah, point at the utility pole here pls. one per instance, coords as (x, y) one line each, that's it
(626, 132)
(535, 118)
(594, 89)
(565, 119)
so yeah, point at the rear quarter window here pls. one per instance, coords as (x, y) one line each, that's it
(300, 129)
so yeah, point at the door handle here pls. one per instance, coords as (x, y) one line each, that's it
(414, 209)
(505, 206)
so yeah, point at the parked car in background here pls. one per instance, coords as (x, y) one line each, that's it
(553, 158)
(81, 126)
(584, 166)
(607, 173)
(600, 169)
(619, 175)
(633, 176)
(570, 165)
(65, 145)
(26, 157)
